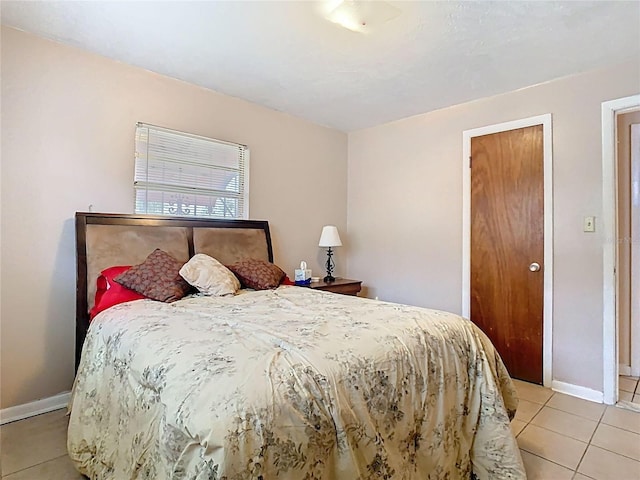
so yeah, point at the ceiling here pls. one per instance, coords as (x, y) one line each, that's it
(286, 56)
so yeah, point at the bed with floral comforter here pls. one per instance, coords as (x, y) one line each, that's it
(290, 384)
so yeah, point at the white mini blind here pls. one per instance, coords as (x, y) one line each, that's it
(181, 174)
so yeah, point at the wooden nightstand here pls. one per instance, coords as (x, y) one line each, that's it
(340, 285)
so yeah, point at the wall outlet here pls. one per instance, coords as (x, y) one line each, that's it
(589, 224)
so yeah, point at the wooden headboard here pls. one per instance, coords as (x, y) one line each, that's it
(104, 240)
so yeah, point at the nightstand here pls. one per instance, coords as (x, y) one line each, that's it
(340, 285)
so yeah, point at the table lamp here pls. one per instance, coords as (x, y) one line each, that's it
(329, 238)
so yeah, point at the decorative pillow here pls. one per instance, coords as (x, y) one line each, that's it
(158, 278)
(110, 293)
(257, 274)
(209, 276)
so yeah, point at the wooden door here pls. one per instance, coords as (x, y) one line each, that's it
(507, 241)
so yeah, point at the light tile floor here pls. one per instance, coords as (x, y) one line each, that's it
(629, 389)
(560, 437)
(36, 449)
(563, 437)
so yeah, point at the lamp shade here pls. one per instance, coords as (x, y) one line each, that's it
(329, 237)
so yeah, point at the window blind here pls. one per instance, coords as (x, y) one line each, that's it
(181, 174)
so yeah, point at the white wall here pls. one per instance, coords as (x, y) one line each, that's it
(405, 206)
(68, 120)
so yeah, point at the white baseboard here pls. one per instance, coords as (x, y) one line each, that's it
(577, 391)
(31, 409)
(624, 370)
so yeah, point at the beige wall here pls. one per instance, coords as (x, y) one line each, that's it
(624, 123)
(68, 120)
(405, 206)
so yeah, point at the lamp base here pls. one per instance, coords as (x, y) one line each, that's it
(329, 278)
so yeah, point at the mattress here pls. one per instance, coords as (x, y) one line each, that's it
(290, 383)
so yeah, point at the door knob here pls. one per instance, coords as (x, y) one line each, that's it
(534, 267)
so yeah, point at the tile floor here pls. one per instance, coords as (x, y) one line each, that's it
(560, 437)
(563, 437)
(629, 389)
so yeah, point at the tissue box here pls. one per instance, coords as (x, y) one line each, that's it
(302, 276)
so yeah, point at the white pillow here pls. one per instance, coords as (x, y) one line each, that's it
(209, 276)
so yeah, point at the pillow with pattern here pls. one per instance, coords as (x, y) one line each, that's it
(158, 278)
(209, 276)
(257, 274)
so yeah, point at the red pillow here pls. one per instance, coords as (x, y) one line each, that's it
(110, 293)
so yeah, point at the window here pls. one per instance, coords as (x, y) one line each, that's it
(186, 175)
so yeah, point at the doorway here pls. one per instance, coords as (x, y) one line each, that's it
(535, 273)
(616, 258)
(628, 217)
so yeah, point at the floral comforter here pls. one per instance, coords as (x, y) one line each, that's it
(290, 384)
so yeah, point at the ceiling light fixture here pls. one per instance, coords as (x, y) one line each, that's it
(360, 15)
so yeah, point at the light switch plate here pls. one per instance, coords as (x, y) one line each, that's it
(589, 224)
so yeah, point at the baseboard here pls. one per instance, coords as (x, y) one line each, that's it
(31, 409)
(624, 370)
(577, 391)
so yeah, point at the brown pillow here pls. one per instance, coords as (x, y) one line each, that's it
(257, 274)
(158, 278)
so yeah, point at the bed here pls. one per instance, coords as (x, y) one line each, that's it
(286, 383)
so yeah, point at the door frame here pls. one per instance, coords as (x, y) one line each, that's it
(635, 260)
(610, 110)
(547, 314)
